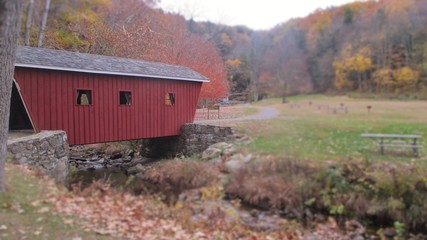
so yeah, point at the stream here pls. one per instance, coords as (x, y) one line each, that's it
(124, 171)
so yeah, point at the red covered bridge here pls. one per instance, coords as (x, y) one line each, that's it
(101, 99)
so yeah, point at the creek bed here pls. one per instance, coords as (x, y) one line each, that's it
(127, 172)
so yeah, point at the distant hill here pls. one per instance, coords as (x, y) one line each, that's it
(371, 46)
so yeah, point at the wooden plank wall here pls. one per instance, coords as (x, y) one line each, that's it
(50, 97)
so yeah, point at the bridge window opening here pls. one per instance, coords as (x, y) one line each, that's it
(170, 99)
(125, 98)
(84, 97)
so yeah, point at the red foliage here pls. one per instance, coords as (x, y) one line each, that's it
(132, 29)
(203, 57)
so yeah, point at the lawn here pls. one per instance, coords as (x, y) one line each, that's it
(307, 128)
(322, 130)
(25, 214)
(225, 112)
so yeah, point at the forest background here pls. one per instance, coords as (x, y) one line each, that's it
(370, 47)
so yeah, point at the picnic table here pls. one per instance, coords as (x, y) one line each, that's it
(395, 141)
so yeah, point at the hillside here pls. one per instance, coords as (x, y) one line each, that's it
(369, 47)
(373, 46)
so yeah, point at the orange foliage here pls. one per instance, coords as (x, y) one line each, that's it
(233, 63)
(131, 29)
(167, 39)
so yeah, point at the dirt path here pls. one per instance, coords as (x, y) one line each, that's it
(264, 114)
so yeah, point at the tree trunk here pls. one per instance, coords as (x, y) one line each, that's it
(43, 24)
(10, 15)
(30, 11)
(359, 81)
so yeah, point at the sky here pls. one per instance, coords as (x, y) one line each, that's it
(256, 14)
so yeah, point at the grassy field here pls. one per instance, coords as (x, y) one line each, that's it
(225, 112)
(322, 130)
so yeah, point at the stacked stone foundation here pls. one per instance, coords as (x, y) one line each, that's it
(46, 151)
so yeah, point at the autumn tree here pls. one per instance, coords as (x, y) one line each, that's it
(132, 29)
(302, 55)
(284, 63)
(359, 64)
(238, 76)
(28, 22)
(202, 56)
(10, 15)
(236, 46)
(383, 77)
(43, 23)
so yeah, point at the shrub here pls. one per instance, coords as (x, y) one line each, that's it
(385, 193)
(175, 176)
(284, 185)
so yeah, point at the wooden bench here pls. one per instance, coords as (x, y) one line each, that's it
(395, 141)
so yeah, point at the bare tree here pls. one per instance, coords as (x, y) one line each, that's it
(260, 43)
(30, 10)
(10, 15)
(43, 23)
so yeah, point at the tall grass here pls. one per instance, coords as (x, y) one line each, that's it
(380, 193)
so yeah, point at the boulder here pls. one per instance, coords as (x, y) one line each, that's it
(219, 149)
(129, 153)
(241, 138)
(234, 166)
(211, 153)
(230, 150)
(220, 145)
(237, 162)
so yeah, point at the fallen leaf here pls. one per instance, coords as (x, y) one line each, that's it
(35, 203)
(43, 210)
(69, 221)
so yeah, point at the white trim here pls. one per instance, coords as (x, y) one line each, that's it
(107, 72)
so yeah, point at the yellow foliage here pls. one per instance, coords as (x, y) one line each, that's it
(341, 80)
(383, 77)
(406, 78)
(360, 62)
(233, 63)
(323, 20)
(403, 79)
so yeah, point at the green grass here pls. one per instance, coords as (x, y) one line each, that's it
(319, 134)
(25, 215)
(249, 111)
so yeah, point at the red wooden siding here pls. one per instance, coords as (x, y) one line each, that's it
(50, 97)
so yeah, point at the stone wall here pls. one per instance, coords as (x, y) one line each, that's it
(194, 139)
(197, 138)
(46, 151)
